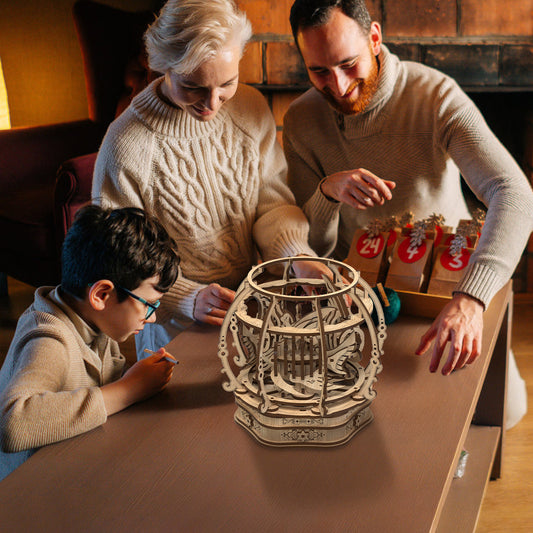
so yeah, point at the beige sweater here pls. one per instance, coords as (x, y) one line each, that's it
(51, 378)
(421, 131)
(219, 188)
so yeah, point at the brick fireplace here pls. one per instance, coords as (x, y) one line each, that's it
(486, 46)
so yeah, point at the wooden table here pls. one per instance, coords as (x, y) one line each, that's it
(179, 463)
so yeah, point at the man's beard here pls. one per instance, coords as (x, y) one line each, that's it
(367, 89)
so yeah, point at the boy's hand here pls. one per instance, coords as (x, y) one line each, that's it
(150, 375)
(144, 379)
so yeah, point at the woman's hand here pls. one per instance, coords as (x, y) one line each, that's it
(311, 269)
(358, 188)
(316, 270)
(212, 304)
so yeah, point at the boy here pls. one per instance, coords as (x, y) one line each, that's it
(63, 373)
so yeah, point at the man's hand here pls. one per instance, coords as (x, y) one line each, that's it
(460, 323)
(212, 304)
(358, 188)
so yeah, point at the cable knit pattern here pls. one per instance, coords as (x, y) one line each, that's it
(423, 132)
(50, 380)
(219, 187)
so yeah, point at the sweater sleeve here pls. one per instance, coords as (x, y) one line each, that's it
(304, 177)
(180, 299)
(497, 180)
(280, 229)
(35, 410)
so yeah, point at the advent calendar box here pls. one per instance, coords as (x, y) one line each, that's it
(368, 255)
(410, 265)
(448, 270)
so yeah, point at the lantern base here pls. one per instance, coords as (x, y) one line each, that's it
(305, 430)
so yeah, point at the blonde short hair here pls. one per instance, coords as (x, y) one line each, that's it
(188, 32)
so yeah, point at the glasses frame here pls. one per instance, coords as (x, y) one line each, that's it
(150, 307)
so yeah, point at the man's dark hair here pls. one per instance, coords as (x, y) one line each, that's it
(312, 13)
(125, 246)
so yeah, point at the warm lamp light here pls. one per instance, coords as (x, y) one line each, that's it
(4, 108)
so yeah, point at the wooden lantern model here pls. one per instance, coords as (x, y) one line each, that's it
(298, 375)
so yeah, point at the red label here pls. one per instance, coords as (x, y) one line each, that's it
(370, 247)
(411, 254)
(454, 262)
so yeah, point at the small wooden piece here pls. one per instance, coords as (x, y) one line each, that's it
(383, 295)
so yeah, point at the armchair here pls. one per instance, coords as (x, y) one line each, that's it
(46, 171)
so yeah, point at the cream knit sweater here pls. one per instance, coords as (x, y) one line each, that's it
(219, 188)
(50, 380)
(421, 131)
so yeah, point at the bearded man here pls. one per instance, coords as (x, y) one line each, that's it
(377, 136)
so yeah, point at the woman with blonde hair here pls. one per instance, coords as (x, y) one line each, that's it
(199, 151)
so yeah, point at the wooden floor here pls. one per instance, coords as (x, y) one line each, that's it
(508, 503)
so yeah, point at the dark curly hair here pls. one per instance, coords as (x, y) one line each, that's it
(312, 13)
(125, 246)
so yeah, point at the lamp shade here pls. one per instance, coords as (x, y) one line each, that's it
(4, 108)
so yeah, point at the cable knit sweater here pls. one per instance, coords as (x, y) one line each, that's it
(421, 131)
(50, 380)
(219, 187)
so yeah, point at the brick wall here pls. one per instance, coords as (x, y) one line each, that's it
(487, 46)
(484, 45)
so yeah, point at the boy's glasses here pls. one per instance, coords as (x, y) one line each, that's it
(150, 307)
